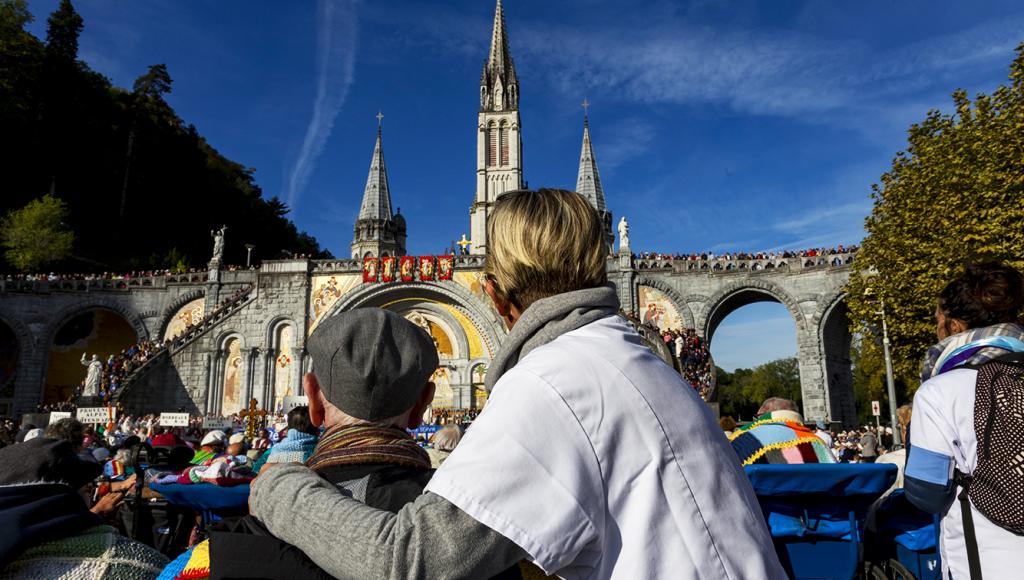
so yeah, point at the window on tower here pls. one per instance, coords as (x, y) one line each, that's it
(492, 145)
(504, 143)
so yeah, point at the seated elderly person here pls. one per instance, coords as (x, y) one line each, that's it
(370, 383)
(778, 436)
(210, 448)
(298, 443)
(49, 529)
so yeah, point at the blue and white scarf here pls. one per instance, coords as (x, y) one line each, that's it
(975, 346)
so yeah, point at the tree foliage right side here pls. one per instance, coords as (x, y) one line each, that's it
(143, 188)
(955, 195)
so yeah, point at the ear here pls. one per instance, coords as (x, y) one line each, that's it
(500, 303)
(957, 325)
(312, 389)
(416, 414)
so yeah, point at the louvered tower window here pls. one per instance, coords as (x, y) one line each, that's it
(504, 143)
(492, 146)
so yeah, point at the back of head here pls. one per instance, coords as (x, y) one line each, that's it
(772, 404)
(542, 243)
(45, 459)
(983, 295)
(371, 364)
(70, 430)
(298, 420)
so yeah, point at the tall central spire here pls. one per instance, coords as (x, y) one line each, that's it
(499, 86)
(588, 179)
(499, 151)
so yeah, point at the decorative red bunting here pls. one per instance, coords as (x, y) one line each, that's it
(369, 269)
(406, 268)
(445, 265)
(387, 269)
(426, 268)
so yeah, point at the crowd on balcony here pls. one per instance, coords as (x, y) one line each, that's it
(111, 276)
(732, 256)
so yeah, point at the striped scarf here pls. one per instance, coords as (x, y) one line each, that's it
(975, 347)
(361, 444)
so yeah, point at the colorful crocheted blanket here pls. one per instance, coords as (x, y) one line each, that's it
(194, 564)
(779, 441)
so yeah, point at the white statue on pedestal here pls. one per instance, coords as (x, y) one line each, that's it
(93, 376)
(218, 244)
(623, 233)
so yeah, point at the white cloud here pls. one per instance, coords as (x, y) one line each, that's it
(337, 29)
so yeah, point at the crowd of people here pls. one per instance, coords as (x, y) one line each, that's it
(592, 459)
(110, 276)
(772, 255)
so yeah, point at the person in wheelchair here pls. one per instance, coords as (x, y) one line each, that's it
(778, 436)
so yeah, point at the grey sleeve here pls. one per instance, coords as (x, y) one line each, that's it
(429, 538)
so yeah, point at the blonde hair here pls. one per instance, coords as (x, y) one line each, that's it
(542, 243)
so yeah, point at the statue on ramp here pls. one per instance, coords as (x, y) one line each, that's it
(93, 376)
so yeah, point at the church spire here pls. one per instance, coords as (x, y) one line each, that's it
(377, 194)
(588, 179)
(378, 232)
(499, 86)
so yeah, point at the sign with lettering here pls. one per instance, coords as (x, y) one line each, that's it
(292, 401)
(876, 408)
(221, 423)
(58, 415)
(90, 415)
(174, 419)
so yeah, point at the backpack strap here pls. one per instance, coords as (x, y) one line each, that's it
(970, 539)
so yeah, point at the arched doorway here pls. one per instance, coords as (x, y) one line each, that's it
(284, 378)
(231, 383)
(836, 342)
(97, 331)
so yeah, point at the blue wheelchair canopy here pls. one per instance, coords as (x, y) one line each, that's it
(817, 513)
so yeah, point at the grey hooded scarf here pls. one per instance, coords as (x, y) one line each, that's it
(547, 319)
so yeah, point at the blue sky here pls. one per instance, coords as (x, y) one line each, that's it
(716, 125)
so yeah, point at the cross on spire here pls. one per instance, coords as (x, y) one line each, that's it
(586, 110)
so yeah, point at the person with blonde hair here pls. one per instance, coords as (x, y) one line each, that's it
(592, 459)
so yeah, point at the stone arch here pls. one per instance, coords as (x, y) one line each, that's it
(444, 292)
(831, 321)
(172, 310)
(283, 373)
(681, 306)
(448, 324)
(736, 295)
(67, 315)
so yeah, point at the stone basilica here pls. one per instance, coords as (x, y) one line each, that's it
(237, 335)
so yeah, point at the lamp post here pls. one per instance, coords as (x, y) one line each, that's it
(897, 437)
(248, 255)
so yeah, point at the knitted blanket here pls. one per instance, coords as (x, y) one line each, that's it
(297, 447)
(194, 564)
(367, 444)
(779, 441)
(98, 553)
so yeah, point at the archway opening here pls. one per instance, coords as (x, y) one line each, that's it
(838, 344)
(754, 346)
(9, 351)
(96, 331)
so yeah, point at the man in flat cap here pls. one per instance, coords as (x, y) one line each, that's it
(370, 382)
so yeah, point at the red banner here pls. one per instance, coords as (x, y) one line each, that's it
(426, 268)
(387, 269)
(369, 269)
(445, 266)
(407, 268)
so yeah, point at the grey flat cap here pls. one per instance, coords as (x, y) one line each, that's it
(371, 363)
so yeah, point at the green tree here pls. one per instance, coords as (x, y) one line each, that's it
(63, 28)
(741, 392)
(36, 235)
(955, 195)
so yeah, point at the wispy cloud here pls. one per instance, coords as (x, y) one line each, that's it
(337, 29)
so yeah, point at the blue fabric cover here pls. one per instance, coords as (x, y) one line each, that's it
(818, 501)
(901, 521)
(204, 496)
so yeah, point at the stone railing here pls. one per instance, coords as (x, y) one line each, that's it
(123, 284)
(732, 265)
(180, 342)
(330, 266)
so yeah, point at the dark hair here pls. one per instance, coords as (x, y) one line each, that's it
(298, 419)
(985, 294)
(70, 430)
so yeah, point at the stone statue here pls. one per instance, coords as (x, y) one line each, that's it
(93, 376)
(623, 233)
(218, 244)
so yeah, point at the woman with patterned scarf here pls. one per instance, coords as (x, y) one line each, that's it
(977, 320)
